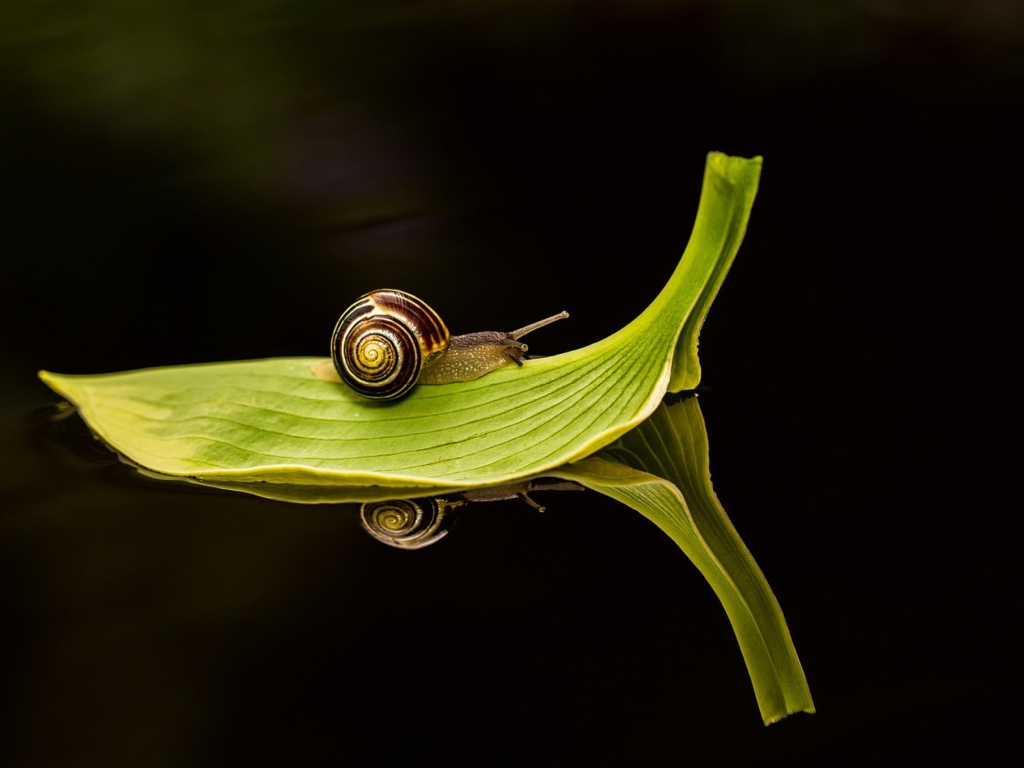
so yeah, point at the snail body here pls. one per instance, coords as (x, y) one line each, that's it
(389, 340)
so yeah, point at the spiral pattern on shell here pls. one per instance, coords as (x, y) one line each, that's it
(407, 523)
(383, 340)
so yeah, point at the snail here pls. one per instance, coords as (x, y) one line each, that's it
(389, 340)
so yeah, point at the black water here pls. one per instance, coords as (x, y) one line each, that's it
(219, 183)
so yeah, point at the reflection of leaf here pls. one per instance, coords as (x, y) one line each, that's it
(272, 421)
(661, 470)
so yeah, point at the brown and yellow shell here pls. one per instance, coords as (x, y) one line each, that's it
(409, 523)
(383, 340)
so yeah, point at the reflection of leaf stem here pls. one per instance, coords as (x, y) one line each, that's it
(661, 470)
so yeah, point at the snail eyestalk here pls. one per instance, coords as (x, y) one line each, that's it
(539, 324)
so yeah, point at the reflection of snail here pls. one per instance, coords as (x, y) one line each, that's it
(388, 340)
(409, 523)
(417, 523)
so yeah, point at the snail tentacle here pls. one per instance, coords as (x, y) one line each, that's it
(539, 324)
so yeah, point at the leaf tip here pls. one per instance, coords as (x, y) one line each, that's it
(54, 381)
(772, 719)
(734, 169)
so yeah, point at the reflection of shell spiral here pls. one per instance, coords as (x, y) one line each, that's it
(407, 523)
(381, 343)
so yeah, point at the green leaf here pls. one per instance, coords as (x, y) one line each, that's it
(661, 470)
(273, 421)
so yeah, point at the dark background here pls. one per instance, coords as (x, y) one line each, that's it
(191, 182)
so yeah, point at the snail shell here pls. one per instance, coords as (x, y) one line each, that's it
(383, 340)
(408, 523)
